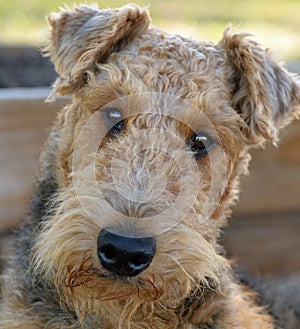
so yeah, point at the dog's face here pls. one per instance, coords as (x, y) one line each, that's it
(150, 152)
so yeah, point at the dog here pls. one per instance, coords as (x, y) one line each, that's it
(139, 176)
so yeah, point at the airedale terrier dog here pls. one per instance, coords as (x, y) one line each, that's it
(138, 177)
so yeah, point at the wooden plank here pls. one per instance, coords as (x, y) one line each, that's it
(265, 244)
(274, 181)
(23, 123)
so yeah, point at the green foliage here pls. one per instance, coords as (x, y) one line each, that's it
(275, 23)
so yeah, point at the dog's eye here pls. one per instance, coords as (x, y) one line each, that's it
(201, 144)
(114, 120)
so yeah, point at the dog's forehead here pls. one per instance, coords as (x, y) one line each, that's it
(183, 76)
(157, 63)
(160, 53)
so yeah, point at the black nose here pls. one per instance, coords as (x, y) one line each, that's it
(125, 256)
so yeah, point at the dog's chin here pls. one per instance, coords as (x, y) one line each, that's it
(136, 300)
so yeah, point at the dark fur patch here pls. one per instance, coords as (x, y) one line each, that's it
(281, 297)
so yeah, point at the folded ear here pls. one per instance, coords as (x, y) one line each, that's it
(265, 95)
(85, 36)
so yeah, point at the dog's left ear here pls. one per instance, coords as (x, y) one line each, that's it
(84, 37)
(265, 95)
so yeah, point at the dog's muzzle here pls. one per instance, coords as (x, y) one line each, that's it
(125, 256)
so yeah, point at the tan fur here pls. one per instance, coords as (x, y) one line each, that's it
(232, 90)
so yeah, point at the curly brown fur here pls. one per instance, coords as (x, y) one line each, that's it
(168, 88)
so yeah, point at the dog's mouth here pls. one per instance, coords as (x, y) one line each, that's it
(123, 280)
(92, 277)
(108, 286)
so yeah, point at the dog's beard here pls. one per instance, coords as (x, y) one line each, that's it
(154, 299)
(186, 268)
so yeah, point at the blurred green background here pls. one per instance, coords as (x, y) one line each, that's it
(275, 23)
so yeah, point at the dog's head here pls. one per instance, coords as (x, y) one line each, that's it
(149, 155)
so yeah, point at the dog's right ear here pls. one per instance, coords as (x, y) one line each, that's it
(85, 36)
(264, 94)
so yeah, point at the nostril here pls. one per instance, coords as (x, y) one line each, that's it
(108, 254)
(140, 260)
